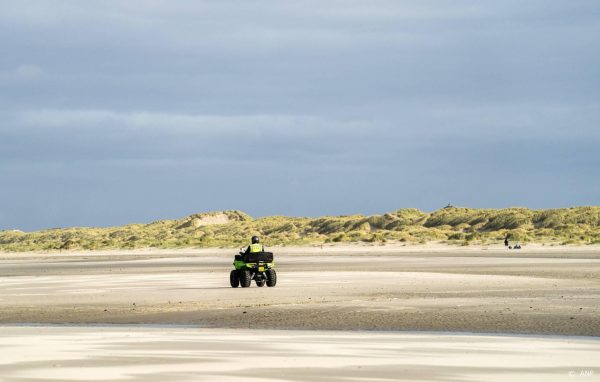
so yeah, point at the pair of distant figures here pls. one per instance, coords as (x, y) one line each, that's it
(506, 244)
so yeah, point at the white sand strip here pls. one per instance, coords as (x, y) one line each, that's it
(121, 353)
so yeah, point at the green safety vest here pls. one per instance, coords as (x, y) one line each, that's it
(256, 248)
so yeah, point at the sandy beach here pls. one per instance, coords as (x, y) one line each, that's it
(360, 313)
(372, 288)
(193, 354)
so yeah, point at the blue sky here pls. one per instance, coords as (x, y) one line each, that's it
(114, 112)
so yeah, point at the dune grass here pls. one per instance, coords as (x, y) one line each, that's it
(228, 229)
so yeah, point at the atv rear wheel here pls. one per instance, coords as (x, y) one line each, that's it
(245, 278)
(271, 277)
(234, 278)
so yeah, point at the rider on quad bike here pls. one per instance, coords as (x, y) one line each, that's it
(253, 264)
(255, 246)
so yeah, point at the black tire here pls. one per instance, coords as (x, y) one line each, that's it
(260, 283)
(271, 277)
(234, 278)
(245, 278)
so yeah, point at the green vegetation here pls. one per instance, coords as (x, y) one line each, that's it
(460, 226)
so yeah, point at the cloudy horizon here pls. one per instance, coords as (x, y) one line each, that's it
(116, 112)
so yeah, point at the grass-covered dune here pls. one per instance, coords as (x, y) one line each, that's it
(462, 226)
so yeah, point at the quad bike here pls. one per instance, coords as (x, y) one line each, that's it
(257, 266)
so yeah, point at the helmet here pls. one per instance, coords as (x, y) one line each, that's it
(255, 240)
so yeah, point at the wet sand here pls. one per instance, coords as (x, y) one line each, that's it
(536, 291)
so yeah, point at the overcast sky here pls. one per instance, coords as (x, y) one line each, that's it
(114, 112)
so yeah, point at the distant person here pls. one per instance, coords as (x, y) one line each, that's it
(506, 241)
(255, 246)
